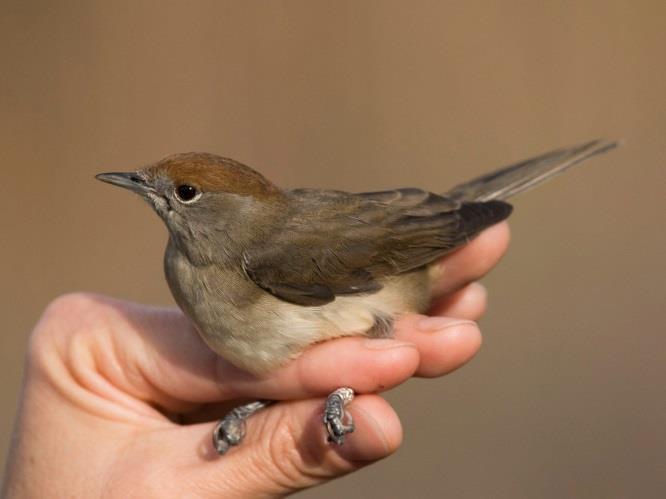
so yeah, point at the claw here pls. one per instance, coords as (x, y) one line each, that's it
(230, 430)
(338, 422)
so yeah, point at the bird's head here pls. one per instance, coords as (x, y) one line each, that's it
(200, 195)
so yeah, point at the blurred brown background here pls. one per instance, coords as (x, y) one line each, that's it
(567, 396)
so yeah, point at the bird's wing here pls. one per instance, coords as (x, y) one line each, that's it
(342, 243)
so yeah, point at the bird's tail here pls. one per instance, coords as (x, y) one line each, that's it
(505, 182)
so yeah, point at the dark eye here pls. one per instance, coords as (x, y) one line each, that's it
(187, 193)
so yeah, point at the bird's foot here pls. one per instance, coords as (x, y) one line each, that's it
(230, 430)
(338, 423)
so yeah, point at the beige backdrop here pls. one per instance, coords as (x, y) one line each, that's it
(567, 396)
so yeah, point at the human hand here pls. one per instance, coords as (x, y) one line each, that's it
(120, 399)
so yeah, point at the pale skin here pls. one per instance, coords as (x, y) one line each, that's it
(120, 399)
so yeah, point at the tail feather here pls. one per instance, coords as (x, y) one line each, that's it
(519, 177)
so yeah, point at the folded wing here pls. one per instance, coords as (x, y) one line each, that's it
(359, 238)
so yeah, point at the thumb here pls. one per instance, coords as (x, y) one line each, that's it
(285, 449)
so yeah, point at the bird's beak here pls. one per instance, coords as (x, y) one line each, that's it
(128, 180)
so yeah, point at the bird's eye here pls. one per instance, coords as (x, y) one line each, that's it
(187, 194)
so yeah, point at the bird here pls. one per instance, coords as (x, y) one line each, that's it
(263, 272)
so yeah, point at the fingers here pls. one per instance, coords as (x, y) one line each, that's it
(444, 343)
(285, 449)
(473, 261)
(367, 365)
(153, 354)
(131, 353)
(467, 303)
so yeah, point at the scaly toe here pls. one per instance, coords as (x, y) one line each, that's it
(338, 422)
(228, 433)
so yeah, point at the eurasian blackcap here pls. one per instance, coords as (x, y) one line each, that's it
(264, 272)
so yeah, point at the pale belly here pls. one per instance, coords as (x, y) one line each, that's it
(259, 332)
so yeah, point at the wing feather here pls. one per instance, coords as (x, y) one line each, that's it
(350, 241)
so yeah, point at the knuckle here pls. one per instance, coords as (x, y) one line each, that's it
(70, 306)
(61, 321)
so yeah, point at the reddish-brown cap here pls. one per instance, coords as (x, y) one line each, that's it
(213, 173)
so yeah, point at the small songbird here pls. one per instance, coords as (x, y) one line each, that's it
(264, 272)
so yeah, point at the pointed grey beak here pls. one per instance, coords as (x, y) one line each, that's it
(127, 180)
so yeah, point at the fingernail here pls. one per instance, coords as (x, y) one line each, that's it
(385, 343)
(372, 445)
(431, 324)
